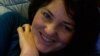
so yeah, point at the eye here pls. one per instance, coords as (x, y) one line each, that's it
(67, 28)
(47, 15)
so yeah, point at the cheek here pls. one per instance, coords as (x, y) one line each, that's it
(37, 22)
(65, 37)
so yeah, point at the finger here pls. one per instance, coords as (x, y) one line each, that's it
(20, 33)
(27, 27)
(20, 30)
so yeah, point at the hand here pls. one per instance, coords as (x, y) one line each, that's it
(26, 41)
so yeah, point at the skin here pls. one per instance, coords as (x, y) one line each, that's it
(27, 45)
(51, 30)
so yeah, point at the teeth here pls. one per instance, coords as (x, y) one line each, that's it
(46, 39)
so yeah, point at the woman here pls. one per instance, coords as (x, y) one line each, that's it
(60, 27)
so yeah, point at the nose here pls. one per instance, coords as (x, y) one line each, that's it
(51, 29)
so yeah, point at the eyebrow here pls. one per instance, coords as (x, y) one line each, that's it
(53, 16)
(49, 12)
(67, 23)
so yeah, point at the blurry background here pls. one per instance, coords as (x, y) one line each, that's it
(20, 6)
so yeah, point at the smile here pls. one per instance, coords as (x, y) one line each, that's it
(47, 40)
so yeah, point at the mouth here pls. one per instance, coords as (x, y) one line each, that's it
(47, 40)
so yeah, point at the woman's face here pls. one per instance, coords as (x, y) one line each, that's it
(52, 27)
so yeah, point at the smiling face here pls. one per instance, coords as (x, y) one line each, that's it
(52, 27)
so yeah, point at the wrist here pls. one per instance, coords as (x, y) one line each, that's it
(28, 53)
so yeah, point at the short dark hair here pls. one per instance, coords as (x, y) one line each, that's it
(86, 17)
(36, 4)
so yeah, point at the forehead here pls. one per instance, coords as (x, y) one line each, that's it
(57, 8)
(56, 5)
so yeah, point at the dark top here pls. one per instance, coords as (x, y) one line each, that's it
(9, 45)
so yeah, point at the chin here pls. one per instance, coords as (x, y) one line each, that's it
(44, 49)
